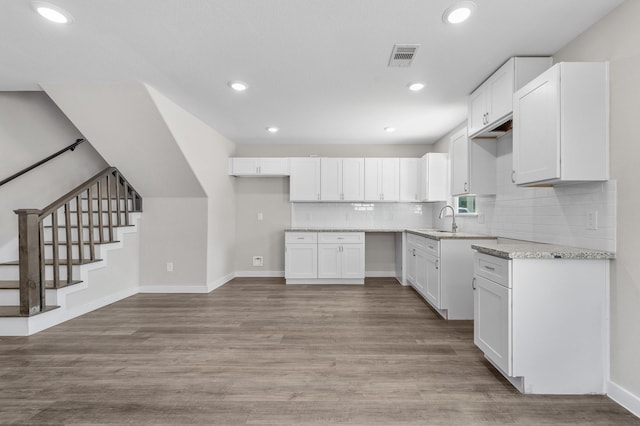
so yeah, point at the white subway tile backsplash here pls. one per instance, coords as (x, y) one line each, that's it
(361, 215)
(555, 215)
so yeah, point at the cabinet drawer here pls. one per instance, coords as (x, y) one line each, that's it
(432, 247)
(493, 268)
(416, 241)
(301, 237)
(341, 237)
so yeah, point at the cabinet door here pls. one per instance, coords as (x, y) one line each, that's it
(244, 166)
(301, 261)
(459, 164)
(409, 179)
(411, 264)
(492, 322)
(478, 110)
(421, 271)
(536, 129)
(389, 179)
(352, 260)
(434, 170)
(372, 178)
(274, 166)
(329, 261)
(330, 179)
(432, 287)
(500, 93)
(353, 179)
(305, 179)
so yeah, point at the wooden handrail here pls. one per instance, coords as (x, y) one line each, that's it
(41, 162)
(58, 217)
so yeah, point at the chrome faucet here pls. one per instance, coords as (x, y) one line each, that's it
(454, 227)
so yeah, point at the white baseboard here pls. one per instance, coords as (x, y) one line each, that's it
(186, 288)
(623, 397)
(220, 281)
(260, 274)
(380, 274)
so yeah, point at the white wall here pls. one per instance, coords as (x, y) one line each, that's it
(123, 123)
(31, 128)
(207, 152)
(615, 39)
(173, 230)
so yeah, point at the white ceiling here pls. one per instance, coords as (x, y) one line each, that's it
(316, 68)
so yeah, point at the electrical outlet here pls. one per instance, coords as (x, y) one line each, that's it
(258, 261)
(169, 266)
(260, 216)
(592, 220)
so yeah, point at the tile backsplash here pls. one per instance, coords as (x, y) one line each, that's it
(362, 215)
(554, 215)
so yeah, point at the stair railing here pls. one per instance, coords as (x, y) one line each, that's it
(71, 147)
(108, 195)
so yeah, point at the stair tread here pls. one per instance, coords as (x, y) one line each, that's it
(61, 262)
(64, 243)
(15, 284)
(14, 311)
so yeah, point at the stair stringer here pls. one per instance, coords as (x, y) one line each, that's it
(63, 297)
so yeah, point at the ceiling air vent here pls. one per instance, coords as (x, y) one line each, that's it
(402, 55)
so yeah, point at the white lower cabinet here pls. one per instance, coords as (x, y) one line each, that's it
(301, 255)
(338, 258)
(543, 322)
(432, 282)
(441, 270)
(492, 322)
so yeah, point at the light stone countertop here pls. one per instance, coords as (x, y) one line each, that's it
(344, 230)
(433, 234)
(436, 234)
(530, 250)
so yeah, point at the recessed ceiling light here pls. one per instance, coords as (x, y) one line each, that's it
(416, 87)
(459, 12)
(52, 12)
(272, 129)
(389, 129)
(238, 86)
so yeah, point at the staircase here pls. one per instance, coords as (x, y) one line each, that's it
(58, 246)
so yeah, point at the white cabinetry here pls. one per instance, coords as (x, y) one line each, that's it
(301, 255)
(491, 104)
(441, 272)
(381, 179)
(561, 127)
(473, 165)
(434, 177)
(241, 166)
(324, 257)
(342, 179)
(543, 322)
(305, 179)
(341, 256)
(410, 179)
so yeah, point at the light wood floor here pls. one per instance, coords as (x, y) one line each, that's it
(258, 352)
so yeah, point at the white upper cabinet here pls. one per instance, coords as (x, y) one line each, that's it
(473, 165)
(240, 166)
(491, 104)
(434, 177)
(342, 179)
(561, 125)
(409, 179)
(305, 179)
(381, 179)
